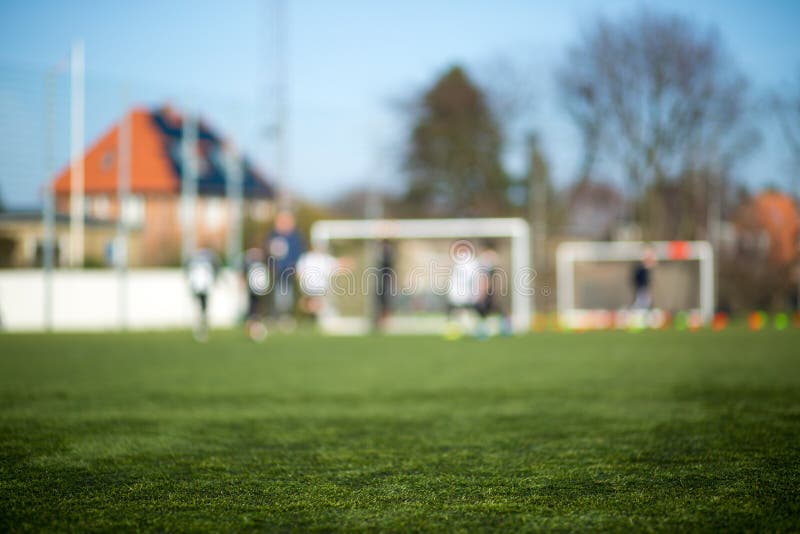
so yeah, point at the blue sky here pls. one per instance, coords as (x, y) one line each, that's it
(349, 61)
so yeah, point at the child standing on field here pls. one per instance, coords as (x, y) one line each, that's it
(464, 293)
(201, 272)
(641, 280)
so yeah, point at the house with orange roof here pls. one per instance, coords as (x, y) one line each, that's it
(769, 226)
(156, 170)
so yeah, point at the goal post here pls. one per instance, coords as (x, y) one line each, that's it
(515, 230)
(687, 284)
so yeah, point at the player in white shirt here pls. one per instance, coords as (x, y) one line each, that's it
(465, 291)
(201, 272)
(315, 270)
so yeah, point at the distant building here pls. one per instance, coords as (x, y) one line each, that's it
(155, 186)
(769, 225)
(22, 239)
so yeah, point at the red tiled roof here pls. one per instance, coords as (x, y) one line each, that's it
(151, 171)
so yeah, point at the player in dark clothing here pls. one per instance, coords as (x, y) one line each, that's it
(489, 302)
(385, 283)
(284, 246)
(256, 278)
(641, 279)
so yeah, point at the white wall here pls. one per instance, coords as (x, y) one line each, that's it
(90, 300)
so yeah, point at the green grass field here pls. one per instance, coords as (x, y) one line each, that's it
(595, 431)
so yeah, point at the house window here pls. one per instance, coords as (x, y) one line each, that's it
(134, 211)
(214, 213)
(187, 212)
(100, 206)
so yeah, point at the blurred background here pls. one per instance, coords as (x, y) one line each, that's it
(132, 134)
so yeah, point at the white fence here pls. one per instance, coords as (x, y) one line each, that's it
(102, 300)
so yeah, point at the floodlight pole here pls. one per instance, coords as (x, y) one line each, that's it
(48, 253)
(234, 168)
(48, 206)
(188, 184)
(281, 49)
(521, 260)
(714, 227)
(275, 64)
(373, 210)
(795, 185)
(120, 256)
(76, 150)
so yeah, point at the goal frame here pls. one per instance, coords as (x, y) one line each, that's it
(514, 229)
(570, 252)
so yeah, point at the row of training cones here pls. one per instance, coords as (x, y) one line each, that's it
(758, 320)
(639, 320)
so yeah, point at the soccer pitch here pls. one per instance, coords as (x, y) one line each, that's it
(608, 430)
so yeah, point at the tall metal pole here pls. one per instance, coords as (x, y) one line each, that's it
(540, 221)
(124, 140)
(796, 188)
(188, 184)
(275, 78)
(76, 154)
(234, 168)
(714, 223)
(372, 210)
(281, 95)
(537, 208)
(48, 206)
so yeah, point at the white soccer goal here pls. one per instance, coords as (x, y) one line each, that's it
(431, 239)
(594, 277)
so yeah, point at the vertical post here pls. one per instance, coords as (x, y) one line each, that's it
(234, 186)
(188, 184)
(124, 139)
(537, 208)
(796, 182)
(714, 227)
(373, 211)
(282, 102)
(48, 253)
(520, 262)
(540, 224)
(76, 153)
(565, 279)
(705, 253)
(275, 83)
(48, 206)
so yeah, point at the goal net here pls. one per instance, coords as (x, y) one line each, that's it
(595, 278)
(422, 259)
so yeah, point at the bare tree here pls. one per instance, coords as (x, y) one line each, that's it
(656, 98)
(786, 106)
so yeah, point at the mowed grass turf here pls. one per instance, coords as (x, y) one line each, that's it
(658, 430)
